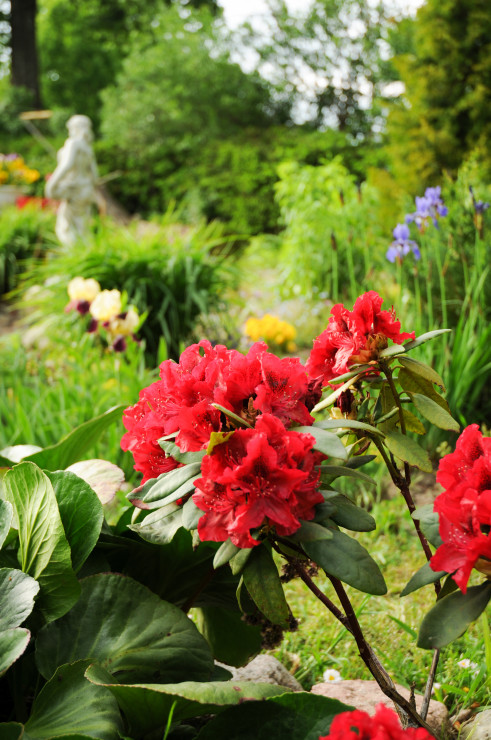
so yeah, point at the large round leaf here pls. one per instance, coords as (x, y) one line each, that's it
(6, 512)
(70, 705)
(451, 616)
(231, 639)
(126, 628)
(17, 593)
(12, 644)
(147, 706)
(81, 514)
(298, 716)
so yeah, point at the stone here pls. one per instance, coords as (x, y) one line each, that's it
(366, 695)
(74, 182)
(265, 669)
(479, 728)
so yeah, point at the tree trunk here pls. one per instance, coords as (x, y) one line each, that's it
(23, 45)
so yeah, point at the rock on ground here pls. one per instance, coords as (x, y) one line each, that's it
(365, 695)
(479, 728)
(265, 669)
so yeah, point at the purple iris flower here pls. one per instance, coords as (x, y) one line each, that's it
(402, 244)
(429, 206)
(479, 205)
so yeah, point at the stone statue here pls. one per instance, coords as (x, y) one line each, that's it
(74, 181)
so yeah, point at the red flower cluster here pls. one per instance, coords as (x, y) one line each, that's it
(384, 725)
(263, 474)
(354, 337)
(464, 508)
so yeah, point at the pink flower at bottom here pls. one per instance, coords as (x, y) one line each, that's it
(384, 725)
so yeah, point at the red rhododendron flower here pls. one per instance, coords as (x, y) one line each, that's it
(261, 476)
(384, 725)
(464, 508)
(354, 337)
(181, 402)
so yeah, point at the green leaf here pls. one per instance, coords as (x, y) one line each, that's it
(44, 552)
(311, 532)
(230, 415)
(69, 704)
(434, 412)
(413, 424)
(217, 438)
(13, 642)
(128, 630)
(167, 488)
(6, 512)
(147, 707)
(225, 552)
(105, 478)
(422, 577)
(451, 616)
(429, 523)
(81, 514)
(347, 514)
(331, 472)
(325, 441)
(394, 349)
(296, 716)
(344, 558)
(17, 594)
(424, 338)
(346, 424)
(160, 526)
(231, 640)
(11, 731)
(75, 445)
(191, 514)
(172, 450)
(407, 449)
(357, 369)
(413, 383)
(238, 562)
(264, 586)
(420, 368)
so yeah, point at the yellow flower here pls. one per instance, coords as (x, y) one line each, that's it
(80, 289)
(106, 305)
(124, 327)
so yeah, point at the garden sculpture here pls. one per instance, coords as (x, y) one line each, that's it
(74, 181)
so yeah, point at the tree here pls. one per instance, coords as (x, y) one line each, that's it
(445, 112)
(21, 38)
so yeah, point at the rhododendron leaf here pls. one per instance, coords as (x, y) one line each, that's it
(147, 706)
(451, 616)
(17, 594)
(448, 587)
(165, 489)
(347, 514)
(217, 438)
(434, 412)
(325, 441)
(74, 446)
(292, 716)
(429, 523)
(331, 472)
(225, 552)
(344, 558)
(160, 526)
(413, 383)
(238, 561)
(230, 415)
(172, 450)
(386, 409)
(311, 532)
(13, 643)
(413, 424)
(81, 514)
(332, 397)
(127, 629)
(44, 552)
(395, 349)
(420, 368)
(263, 583)
(357, 369)
(359, 460)
(407, 449)
(424, 338)
(347, 424)
(191, 514)
(69, 704)
(231, 639)
(6, 513)
(422, 577)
